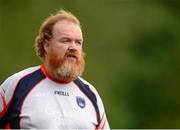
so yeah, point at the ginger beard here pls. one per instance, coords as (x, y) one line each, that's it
(65, 69)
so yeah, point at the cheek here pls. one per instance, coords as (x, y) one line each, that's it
(60, 50)
(79, 49)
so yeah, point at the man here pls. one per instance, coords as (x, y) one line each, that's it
(53, 95)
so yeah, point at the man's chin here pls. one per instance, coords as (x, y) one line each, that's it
(71, 60)
(68, 70)
(70, 67)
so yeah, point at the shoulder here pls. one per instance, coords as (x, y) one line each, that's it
(93, 89)
(25, 71)
(17, 76)
(8, 87)
(10, 83)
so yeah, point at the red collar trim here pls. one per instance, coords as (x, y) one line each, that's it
(43, 69)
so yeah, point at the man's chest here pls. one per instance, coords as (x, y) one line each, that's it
(57, 107)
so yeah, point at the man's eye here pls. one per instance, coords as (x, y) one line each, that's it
(65, 40)
(78, 42)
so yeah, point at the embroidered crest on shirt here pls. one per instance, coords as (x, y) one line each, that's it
(80, 101)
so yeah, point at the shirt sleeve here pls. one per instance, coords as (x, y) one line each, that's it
(103, 119)
(2, 101)
(7, 89)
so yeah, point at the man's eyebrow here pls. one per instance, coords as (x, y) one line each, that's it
(79, 39)
(65, 38)
(76, 39)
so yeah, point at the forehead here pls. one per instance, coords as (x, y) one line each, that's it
(67, 28)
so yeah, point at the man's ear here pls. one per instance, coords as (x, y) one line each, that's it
(46, 45)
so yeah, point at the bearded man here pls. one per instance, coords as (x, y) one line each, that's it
(53, 95)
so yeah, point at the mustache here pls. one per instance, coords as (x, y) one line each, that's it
(72, 53)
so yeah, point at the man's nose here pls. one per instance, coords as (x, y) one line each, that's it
(73, 46)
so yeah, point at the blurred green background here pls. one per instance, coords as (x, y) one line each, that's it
(132, 47)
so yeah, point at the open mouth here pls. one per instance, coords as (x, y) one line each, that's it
(72, 56)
